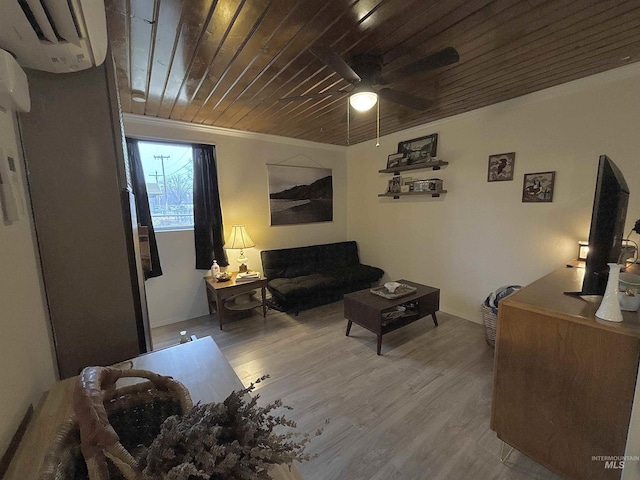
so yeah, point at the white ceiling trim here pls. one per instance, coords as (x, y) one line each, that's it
(132, 120)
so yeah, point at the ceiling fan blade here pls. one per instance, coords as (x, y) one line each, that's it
(404, 99)
(312, 95)
(335, 62)
(440, 59)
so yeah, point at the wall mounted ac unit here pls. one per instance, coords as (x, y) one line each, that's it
(56, 36)
(14, 89)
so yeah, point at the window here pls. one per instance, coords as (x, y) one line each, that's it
(168, 173)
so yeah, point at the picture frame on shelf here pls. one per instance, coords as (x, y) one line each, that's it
(501, 167)
(538, 187)
(407, 184)
(395, 184)
(419, 150)
(394, 160)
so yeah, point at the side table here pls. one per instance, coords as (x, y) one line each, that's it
(218, 292)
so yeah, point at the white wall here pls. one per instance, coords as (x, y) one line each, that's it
(480, 235)
(242, 159)
(26, 354)
(632, 467)
(179, 293)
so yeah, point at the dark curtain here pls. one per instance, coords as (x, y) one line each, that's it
(207, 214)
(142, 205)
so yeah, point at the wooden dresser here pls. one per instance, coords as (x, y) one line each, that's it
(564, 381)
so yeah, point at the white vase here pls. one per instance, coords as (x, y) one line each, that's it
(610, 308)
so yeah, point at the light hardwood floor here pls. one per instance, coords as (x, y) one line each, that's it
(419, 411)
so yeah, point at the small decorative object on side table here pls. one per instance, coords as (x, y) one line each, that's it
(223, 277)
(248, 276)
(218, 292)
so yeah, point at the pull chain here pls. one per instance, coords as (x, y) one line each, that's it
(378, 126)
(348, 123)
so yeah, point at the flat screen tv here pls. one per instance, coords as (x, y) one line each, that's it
(607, 226)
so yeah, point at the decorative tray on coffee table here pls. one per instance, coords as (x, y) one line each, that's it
(401, 291)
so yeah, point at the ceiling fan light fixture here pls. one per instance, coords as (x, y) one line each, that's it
(363, 101)
(138, 96)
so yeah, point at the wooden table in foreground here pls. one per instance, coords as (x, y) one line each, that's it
(218, 292)
(365, 309)
(199, 365)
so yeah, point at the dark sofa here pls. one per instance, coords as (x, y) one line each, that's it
(305, 277)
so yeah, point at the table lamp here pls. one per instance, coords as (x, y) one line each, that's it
(583, 250)
(240, 239)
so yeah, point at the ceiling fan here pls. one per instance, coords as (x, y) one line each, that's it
(364, 73)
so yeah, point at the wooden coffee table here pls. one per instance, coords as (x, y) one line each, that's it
(366, 309)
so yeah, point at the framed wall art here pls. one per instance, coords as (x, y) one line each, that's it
(419, 150)
(538, 187)
(501, 167)
(395, 160)
(300, 194)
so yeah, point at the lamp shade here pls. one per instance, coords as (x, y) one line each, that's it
(583, 250)
(363, 101)
(239, 238)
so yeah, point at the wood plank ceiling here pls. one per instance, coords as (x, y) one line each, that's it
(228, 62)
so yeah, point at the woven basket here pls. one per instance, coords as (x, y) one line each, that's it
(490, 320)
(112, 423)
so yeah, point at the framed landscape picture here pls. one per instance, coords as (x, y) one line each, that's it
(501, 167)
(538, 187)
(300, 194)
(419, 150)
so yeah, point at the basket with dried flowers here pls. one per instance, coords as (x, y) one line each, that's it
(151, 431)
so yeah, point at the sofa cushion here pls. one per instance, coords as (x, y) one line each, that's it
(355, 274)
(301, 261)
(342, 253)
(293, 271)
(297, 288)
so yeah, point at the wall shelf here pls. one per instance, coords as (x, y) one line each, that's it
(406, 194)
(418, 166)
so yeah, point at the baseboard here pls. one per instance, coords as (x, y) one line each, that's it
(163, 322)
(15, 441)
(464, 316)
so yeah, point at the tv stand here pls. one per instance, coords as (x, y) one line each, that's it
(595, 287)
(564, 381)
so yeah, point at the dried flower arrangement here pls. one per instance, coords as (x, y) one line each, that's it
(234, 439)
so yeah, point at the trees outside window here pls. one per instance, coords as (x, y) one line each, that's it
(168, 172)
